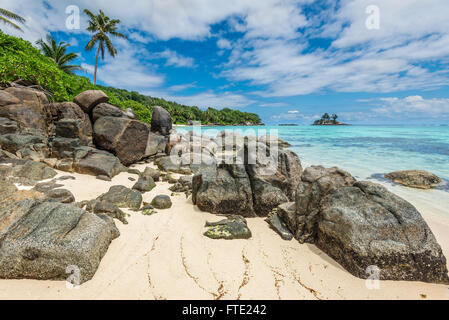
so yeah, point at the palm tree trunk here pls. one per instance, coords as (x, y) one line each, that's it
(96, 65)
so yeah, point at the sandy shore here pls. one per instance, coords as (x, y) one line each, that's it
(165, 256)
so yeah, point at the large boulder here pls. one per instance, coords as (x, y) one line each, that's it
(107, 110)
(362, 225)
(48, 240)
(27, 107)
(316, 183)
(34, 171)
(271, 177)
(87, 100)
(96, 162)
(366, 225)
(224, 190)
(415, 179)
(161, 121)
(126, 138)
(71, 111)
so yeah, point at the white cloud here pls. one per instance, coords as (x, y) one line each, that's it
(215, 100)
(409, 51)
(359, 60)
(175, 59)
(224, 44)
(415, 106)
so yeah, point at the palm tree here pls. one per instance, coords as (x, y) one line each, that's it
(334, 118)
(101, 26)
(6, 17)
(58, 53)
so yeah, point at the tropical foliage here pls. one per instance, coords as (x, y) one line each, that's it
(7, 17)
(58, 53)
(20, 61)
(102, 26)
(327, 119)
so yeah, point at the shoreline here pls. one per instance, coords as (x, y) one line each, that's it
(165, 256)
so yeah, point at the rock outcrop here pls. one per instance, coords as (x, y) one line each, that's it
(419, 179)
(106, 110)
(362, 224)
(87, 100)
(46, 240)
(126, 138)
(224, 190)
(161, 121)
(258, 182)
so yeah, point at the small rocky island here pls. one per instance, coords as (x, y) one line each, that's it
(327, 120)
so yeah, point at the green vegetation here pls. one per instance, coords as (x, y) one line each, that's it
(101, 26)
(58, 53)
(327, 120)
(20, 61)
(6, 17)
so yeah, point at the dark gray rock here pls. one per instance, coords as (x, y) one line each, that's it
(14, 142)
(279, 226)
(153, 173)
(87, 100)
(107, 208)
(224, 190)
(161, 202)
(144, 184)
(63, 148)
(41, 239)
(365, 225)
(106, 110)
(161, 121)
(34, 171)
(316, 183)
(419, 179)
(71, 111)
(126, 138)
(96, 162)
(122, 197)
(234, 227)
(60, 195)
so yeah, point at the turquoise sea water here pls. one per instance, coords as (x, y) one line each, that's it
(367, 150)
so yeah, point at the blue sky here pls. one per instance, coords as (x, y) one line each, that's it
(287, 60)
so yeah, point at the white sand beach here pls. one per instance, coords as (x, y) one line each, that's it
(165, 256)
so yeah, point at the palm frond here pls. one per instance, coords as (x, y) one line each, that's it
(9, 23)
(11, 15)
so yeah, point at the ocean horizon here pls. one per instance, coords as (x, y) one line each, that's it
(363, 150)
